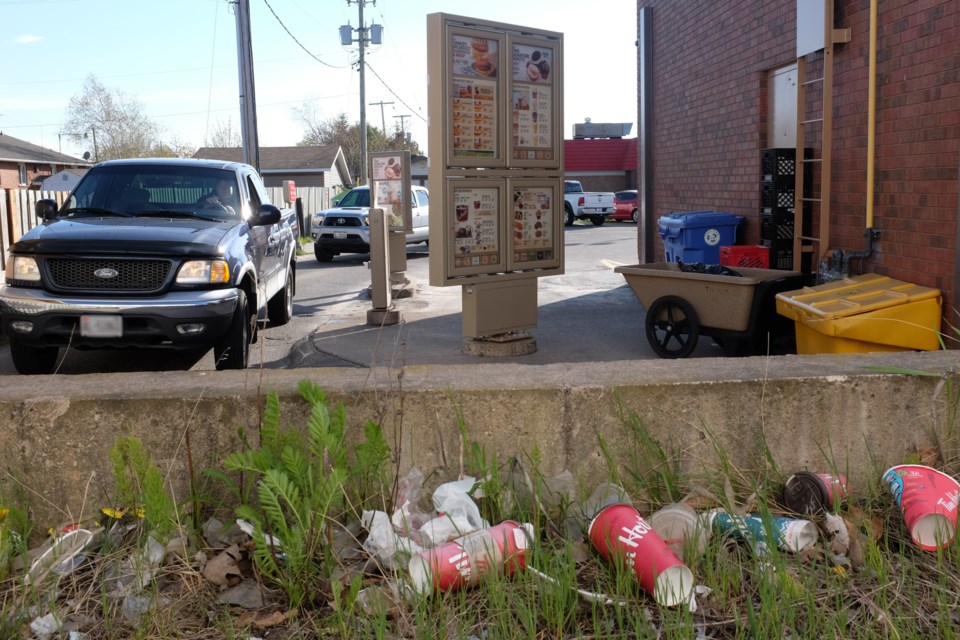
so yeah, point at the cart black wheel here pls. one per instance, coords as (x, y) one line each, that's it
(672, 327)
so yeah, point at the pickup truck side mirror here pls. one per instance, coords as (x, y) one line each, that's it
(46, 209)
(268, 214)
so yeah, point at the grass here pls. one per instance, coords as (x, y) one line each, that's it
(888, 588)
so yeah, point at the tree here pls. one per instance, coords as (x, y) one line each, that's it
(111, 124)
(224, 134)
(341, 132)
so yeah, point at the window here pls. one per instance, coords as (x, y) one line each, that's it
(423, 200)
(23, 174)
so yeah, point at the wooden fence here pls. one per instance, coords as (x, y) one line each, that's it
(17, 214)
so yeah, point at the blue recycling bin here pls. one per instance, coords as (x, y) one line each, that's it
(696, 236)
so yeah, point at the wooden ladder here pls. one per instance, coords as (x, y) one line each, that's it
(807, 117)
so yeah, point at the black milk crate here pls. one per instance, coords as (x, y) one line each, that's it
(773, 195)
(776, 163)
(781, 255)
(776, 223)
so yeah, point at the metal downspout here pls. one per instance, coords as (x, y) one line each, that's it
(871, 234)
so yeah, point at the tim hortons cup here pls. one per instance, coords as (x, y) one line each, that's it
(619, 534)
(809, 493)
(462, 562)
(928, 499)
(787, 534)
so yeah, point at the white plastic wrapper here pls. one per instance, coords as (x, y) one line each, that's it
(384, 544)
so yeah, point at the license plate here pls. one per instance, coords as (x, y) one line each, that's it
(340, 235)
(101, 326)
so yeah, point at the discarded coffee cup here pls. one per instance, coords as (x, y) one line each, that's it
(810, 493)
(787, 534)
(678, 525)
(619, 534)
(462, 562)
(928, 499)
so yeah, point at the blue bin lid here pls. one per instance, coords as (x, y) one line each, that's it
(691, 219)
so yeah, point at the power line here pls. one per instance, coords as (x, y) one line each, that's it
(266, 2)
(394, 93)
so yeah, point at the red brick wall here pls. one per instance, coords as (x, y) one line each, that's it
(710, 66)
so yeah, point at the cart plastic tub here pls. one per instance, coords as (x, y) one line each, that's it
(696, 236)
(738, 312)
(863, 314)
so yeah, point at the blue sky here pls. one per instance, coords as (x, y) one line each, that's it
(178, 58)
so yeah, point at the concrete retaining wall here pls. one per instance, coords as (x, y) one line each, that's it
(58, 430)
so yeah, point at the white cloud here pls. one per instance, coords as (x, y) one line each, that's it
(28, 39)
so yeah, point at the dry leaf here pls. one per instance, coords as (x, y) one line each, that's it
(928, 455)
(272, 619)
(223, 569)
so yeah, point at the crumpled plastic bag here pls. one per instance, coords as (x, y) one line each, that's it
(458, 514)
(383, 542)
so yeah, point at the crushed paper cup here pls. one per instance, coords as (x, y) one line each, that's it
(928, 499)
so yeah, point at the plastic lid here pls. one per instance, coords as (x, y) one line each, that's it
(803, 492)
(856, 295)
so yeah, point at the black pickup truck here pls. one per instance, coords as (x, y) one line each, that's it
(166, 253)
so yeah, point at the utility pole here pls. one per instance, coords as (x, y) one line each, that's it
(346, 39)
(383, 122)
(403, 130)
(248, 101)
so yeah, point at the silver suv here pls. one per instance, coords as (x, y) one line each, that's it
(346, 227)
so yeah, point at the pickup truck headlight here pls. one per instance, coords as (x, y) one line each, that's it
(204, 272)
(366, 220)
(22, 268)
(317, 219)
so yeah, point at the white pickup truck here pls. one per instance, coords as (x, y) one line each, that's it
(592, 206)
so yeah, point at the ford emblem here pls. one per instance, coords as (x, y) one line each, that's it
(106, 273)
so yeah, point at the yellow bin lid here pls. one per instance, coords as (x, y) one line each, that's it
(856, 295)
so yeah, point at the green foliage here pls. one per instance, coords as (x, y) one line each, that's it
(140, 484)
(304, 484)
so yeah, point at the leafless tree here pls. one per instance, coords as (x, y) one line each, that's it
(110, 123)
(224, 134)
(340, 131)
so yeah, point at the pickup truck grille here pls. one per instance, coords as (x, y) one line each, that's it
(131, 275)
(342, 221)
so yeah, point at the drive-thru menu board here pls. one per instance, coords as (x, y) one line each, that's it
(390, 185)
(496, 150)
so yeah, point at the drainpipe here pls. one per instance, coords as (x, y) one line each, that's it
(871, 233)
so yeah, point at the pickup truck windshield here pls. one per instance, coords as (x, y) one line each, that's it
(140, 189)
(356, 198)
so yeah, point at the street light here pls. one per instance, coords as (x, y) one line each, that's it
(86, 135)
(346, 39)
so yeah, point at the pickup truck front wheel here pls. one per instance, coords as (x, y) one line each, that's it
(233, 349)
(30, 360)
(568, 217)
(322, 255)
(280, 306)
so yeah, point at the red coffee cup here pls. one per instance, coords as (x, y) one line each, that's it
(619, 534)
(809, 493)
(501, 548)
(928, 499)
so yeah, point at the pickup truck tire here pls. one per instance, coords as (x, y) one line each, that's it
(280, 306)
(233, 349)
(568, 217)
(322, 255)
(30, 360)
(598, 220)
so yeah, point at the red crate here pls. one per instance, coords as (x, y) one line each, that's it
(750, 255)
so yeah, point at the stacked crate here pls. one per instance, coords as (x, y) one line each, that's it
(777, 189)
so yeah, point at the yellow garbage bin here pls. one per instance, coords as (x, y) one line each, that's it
(862, 314)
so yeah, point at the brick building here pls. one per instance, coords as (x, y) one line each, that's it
(712, 78)
(601, 164)
(24, 165)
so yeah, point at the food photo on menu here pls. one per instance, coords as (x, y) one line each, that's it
(531, 64)
(475, 56)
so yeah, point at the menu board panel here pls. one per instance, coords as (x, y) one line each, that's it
(536, 231)
(390, 177)
(477, 233)
(474, 88)
(534, 104)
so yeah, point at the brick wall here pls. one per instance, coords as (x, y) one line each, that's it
(710, 67)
